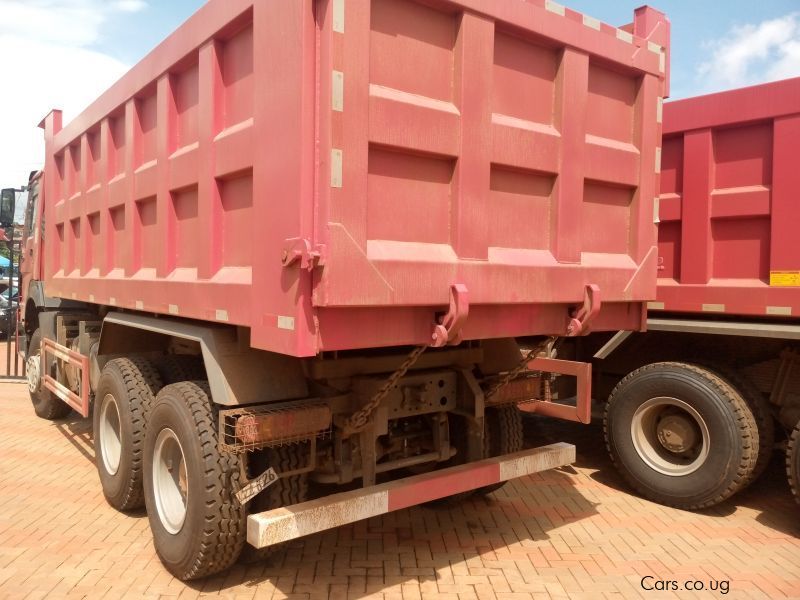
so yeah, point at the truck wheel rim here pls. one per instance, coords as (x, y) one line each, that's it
(170, 481)
(32, 371)
(670, 436)
(110, 434)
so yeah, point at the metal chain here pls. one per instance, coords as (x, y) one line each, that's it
(359, 419)
(522, 366)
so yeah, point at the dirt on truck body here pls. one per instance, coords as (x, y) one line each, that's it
(301, 264)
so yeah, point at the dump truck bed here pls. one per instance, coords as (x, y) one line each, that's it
(331, 174)
(728, 203)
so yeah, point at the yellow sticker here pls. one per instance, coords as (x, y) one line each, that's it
(784, 278)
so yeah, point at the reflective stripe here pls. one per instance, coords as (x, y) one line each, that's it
(336, 168)
(624, 36)
(337, 88)
(554, 7)
(283, 524)
(713, 308)
(338, 16)
(591, 22)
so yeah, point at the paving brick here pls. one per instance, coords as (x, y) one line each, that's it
(570, 533)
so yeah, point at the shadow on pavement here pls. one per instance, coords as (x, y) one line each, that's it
(78, 432)
(422, 544)
(769, 495)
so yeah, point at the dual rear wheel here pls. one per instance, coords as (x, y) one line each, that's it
(156, 446)
(793, 462)
(685, 435)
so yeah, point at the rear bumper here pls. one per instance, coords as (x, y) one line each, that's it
(291, 522)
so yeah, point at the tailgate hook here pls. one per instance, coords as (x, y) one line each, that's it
(581, 317)
(448, 329)
(303, 251)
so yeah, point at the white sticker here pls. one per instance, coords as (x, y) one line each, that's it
(336, 168)
(624, 36)
(591, 22)
(286, 323)
(554, 7)
(337, 84)
(338, 16)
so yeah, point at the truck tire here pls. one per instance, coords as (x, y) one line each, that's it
(125, 394)
(284, 492)
(503, 434)
(46, 404)
(760, 407)
(793, 462)
(659, 424)
(198, 525)
(181, 367)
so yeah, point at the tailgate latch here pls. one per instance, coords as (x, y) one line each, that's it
(302, 250)
(581, 317)
(448, 329)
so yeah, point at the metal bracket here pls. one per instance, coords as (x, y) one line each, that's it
(580, 318)
(582, 411)
(301, 249)
(448, 330)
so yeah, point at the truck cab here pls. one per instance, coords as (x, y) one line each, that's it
(30, 255)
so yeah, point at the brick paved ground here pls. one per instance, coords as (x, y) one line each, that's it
(573, 533)
(9, 365)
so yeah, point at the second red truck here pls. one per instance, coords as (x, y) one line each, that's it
(701, 399)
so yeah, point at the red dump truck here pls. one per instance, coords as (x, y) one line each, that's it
(304, 260)
(693, 416)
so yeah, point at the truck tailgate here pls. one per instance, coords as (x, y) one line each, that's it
(508, 146)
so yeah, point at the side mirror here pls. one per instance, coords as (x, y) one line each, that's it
(8, 198)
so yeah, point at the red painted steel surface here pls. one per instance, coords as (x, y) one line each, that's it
(79, 402)
(324, 173)
(582, 371)
(729, 210)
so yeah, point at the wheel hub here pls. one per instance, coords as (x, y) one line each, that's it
(676, 433)
(170, 481)
(670, 436)
(110, 434)
(32, 371)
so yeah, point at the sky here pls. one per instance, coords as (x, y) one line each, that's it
(64, 53)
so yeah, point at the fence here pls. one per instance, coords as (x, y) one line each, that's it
(11, 367)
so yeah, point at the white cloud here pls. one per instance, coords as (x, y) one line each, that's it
(130, 5)
(753, 53)
(48, 61)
